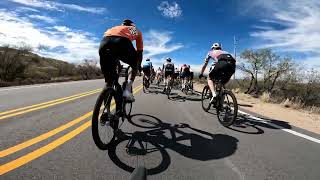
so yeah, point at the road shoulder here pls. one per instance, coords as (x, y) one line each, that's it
(298, 118)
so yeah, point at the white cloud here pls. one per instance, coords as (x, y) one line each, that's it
(62, 42)
(26, 9)
(172, 10)
(298, 27)
(157, 43)
(50, 5)
(43, 18)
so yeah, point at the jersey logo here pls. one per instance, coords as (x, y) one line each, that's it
(133, 31)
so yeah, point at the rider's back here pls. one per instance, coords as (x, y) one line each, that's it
(129, 32)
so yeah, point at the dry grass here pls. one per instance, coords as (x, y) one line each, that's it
(314, 109)
(236, 90)
(265, 97)
(294, 103)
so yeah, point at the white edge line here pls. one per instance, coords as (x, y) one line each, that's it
(279, 127)
(44, 85)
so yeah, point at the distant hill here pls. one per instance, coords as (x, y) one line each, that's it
(21, 66)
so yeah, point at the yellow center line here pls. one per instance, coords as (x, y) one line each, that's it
(44, 103)
(48, 105)
(47, 135)
(47, 148)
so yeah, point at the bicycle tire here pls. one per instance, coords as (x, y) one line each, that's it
(168, 91)
(203, 97)
(144, 84)
(230, 121)
(127, 112)
(96, 120)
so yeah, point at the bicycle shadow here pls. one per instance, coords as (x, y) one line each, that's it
(188, 97)
(245, 124)
(185, 140)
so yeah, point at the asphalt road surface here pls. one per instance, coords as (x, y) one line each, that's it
(45, 133)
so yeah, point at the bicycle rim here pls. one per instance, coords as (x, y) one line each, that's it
(205, 98)
(228, 110)
(103, 127)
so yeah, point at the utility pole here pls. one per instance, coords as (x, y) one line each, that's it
(234, 52)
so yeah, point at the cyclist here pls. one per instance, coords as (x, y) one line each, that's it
(147, 68)
(185, 73)
(191, 73)
(168, 70)
(222, 69)
(158, 74)
(116, 45)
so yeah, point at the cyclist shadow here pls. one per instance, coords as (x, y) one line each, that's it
(153, 89)
(245, 124)
(183, 98)
(185, 140)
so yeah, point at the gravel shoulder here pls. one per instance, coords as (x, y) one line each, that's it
(296, 117)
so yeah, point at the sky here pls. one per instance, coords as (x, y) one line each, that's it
(184, 30)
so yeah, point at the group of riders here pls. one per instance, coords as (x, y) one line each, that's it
(117, 45)
(168, 70)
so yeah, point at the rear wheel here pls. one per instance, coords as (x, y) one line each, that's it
(104, 119)
(127, 107)
(227, 108)
(205, 98)
(145, 84)
(168, 89)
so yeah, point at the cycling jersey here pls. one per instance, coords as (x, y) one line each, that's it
(217, 55)
(130, 32)
(184, 68)
(147, 64)
(168, 67)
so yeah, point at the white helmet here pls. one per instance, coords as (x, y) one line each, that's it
(216, 46)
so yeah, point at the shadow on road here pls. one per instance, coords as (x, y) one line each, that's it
(159, 136)
(245, 124)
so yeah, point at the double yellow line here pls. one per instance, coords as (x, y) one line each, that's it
(5, 168)
(23, 110)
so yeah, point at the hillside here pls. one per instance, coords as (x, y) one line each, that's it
(21, 66)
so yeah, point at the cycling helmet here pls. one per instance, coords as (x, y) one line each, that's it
(216, 46)
(168, 59)
(127, 22)
(148, 59)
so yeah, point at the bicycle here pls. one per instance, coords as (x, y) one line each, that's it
(109, 99)
(222, 103)
(188, 87)
(146, 83)
(159, 80)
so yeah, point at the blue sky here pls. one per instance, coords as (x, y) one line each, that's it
(181, 29)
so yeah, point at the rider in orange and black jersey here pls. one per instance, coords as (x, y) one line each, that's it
(116, 45)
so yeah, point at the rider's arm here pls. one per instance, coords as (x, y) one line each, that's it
(206, 61)
(139, 45)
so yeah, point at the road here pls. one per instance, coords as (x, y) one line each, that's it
(45, 134)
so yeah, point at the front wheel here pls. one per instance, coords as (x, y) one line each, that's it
(205, 98)
(227, 108)
(104, 119)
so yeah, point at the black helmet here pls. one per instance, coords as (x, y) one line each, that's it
(168, 59)
(127, 22)
(148, 59)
